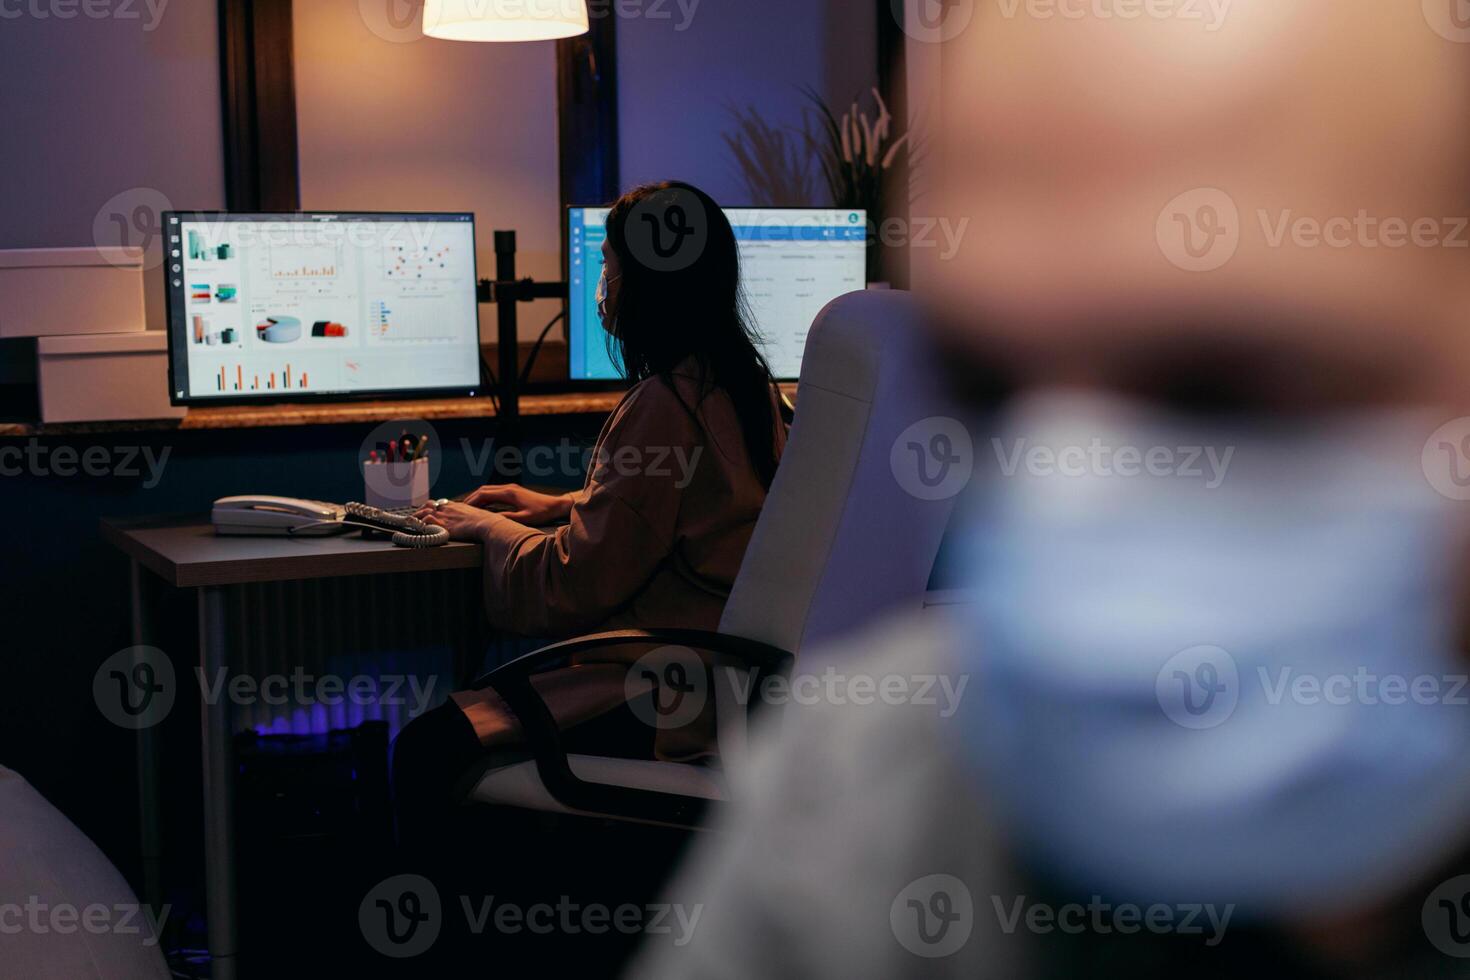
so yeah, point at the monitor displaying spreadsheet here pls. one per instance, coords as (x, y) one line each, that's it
(320, 306)
(793, 262)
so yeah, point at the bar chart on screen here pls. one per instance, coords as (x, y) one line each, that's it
(304, 262)
(412, 320)
(237, 379)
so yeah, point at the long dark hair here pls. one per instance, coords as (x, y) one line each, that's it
(680, 299)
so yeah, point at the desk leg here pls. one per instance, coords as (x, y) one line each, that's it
(150, 831)
(219, 803)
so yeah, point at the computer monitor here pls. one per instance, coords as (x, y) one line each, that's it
(793, 262)
(299, 307)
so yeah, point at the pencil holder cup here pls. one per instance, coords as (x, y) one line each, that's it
(390, 486)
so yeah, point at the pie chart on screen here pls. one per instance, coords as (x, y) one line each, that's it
(279, 329)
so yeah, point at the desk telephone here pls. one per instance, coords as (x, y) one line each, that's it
(286, 517)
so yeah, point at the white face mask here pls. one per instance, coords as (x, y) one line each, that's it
(1196, 694)
(603, 282)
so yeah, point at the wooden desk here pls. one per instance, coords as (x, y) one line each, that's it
(186, 553)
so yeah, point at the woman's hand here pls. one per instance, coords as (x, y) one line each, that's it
(463, 522)
(521, 505)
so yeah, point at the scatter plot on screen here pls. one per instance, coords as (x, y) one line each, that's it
(419, 262)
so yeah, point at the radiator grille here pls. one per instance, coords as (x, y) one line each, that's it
(369, 634)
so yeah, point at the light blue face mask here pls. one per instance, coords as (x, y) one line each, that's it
(1141, 639)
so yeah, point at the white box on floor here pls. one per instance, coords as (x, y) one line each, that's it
(105, 378)
(48, 292)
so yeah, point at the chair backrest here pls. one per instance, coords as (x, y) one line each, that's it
(46, 858)
(840, 540)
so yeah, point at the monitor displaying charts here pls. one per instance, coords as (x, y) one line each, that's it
(321, 306)
(793, 262)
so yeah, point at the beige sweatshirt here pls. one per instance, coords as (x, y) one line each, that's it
(655, 538)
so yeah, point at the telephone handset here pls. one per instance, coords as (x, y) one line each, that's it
(277, 516)
(286, 517)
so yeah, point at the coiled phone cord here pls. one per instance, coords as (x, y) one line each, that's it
(408, 532)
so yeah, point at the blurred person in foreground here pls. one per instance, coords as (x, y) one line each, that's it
(1217, 722)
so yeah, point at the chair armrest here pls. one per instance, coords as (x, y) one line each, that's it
(761, 656)
(512, 682)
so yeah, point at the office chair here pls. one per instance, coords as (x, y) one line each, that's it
(48, 861)
(839, 542)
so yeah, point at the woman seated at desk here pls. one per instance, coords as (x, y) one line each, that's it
(656, 537)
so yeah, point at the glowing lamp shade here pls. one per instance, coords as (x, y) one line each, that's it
(504, 20)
